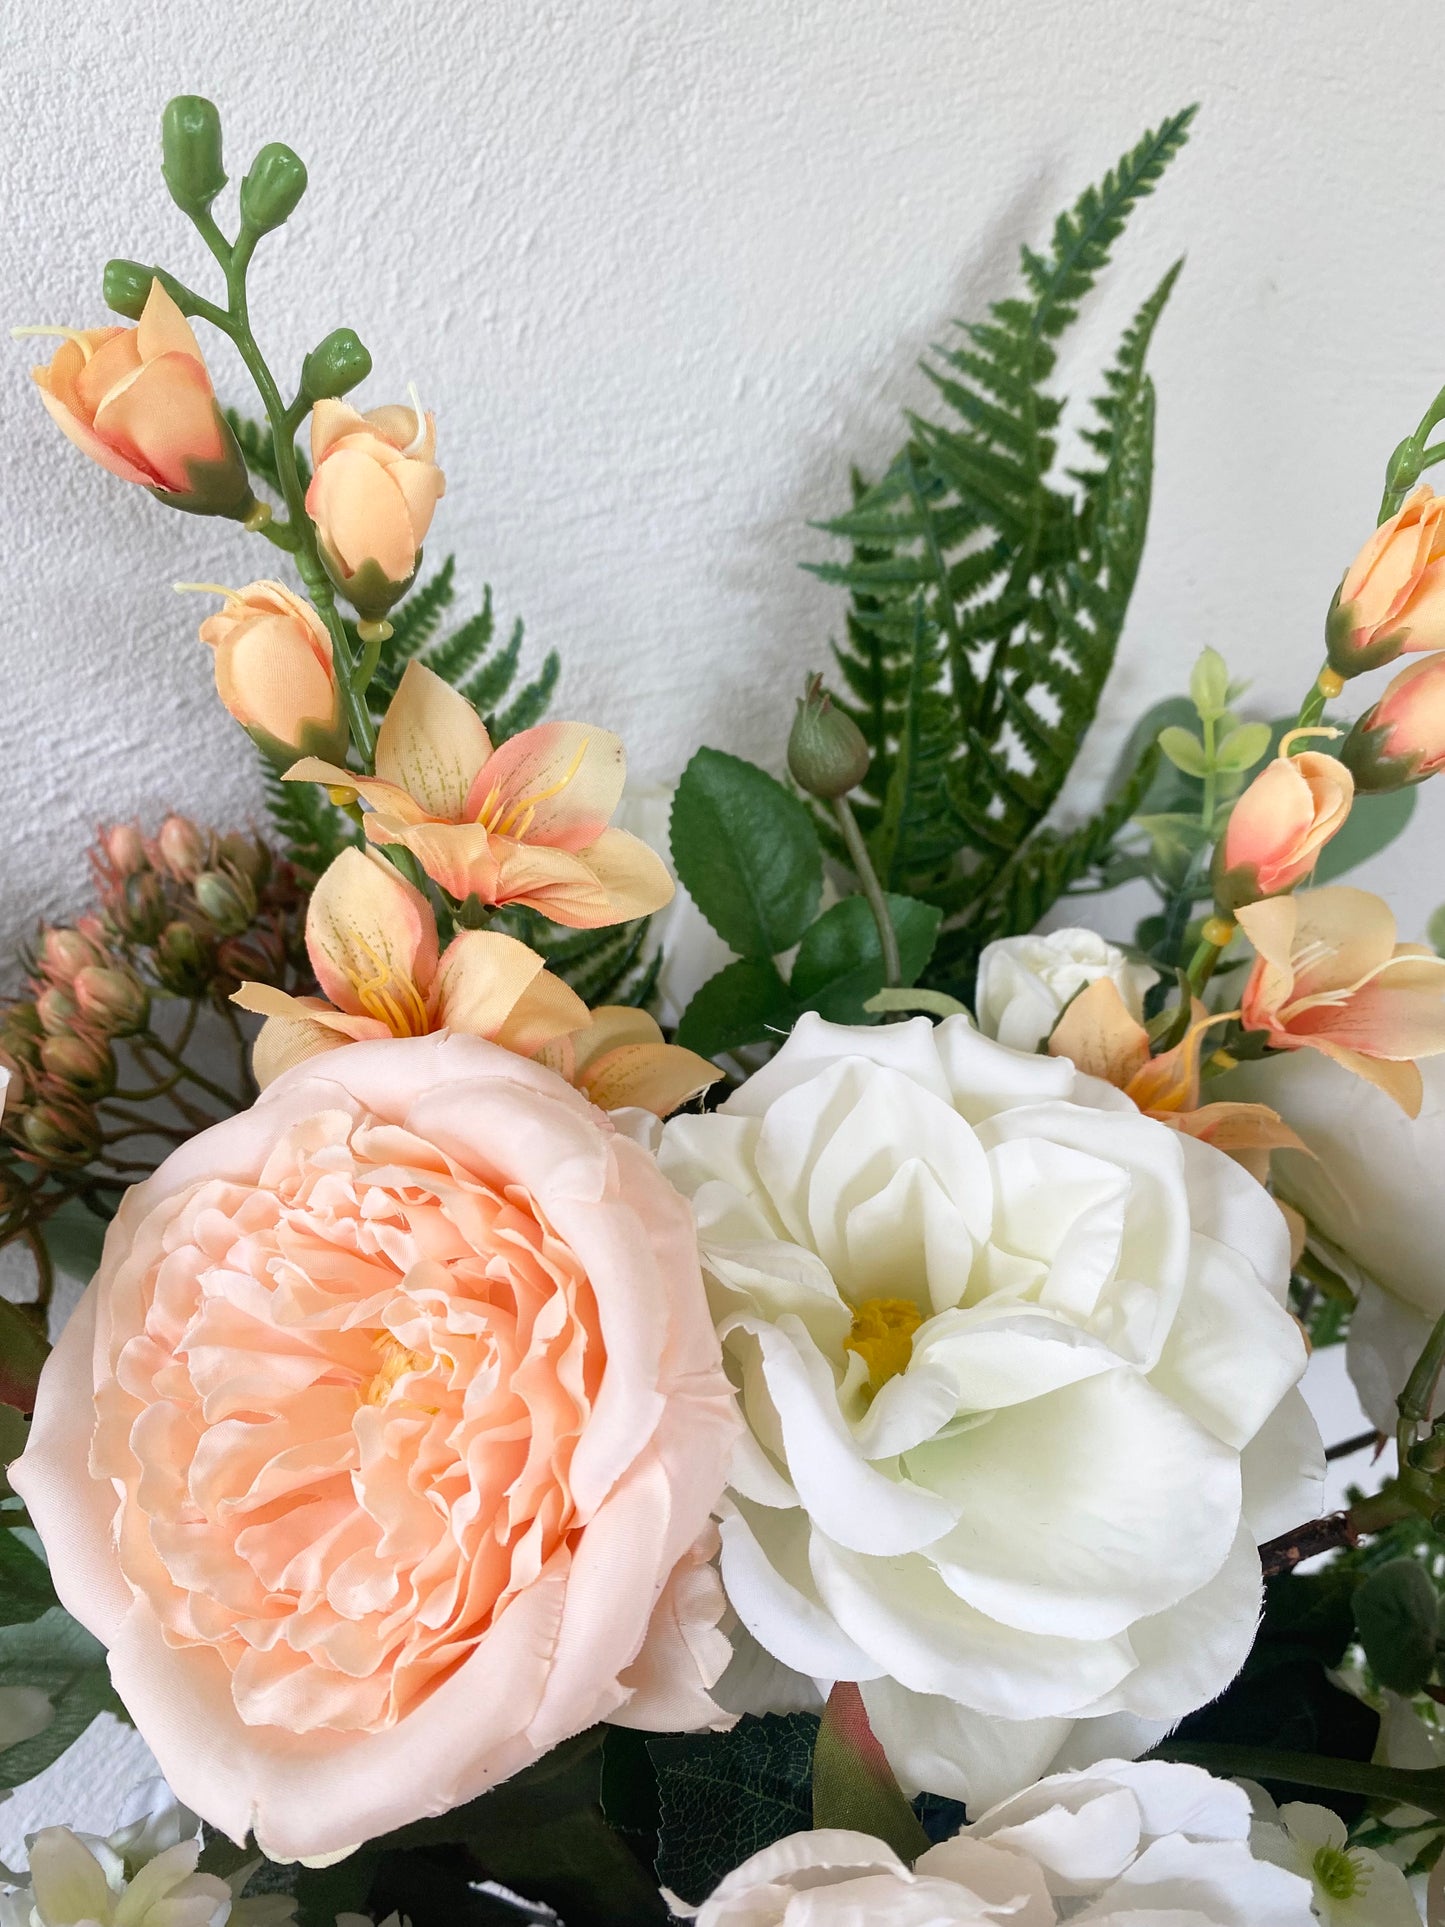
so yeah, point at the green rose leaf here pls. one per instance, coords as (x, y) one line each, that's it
(25, 1588)
(1183, 748)
(1397, 1611)
(22, 1353)
(840, 961)
(59, 1657)
(724, 1796)
(746, 850)
(745, 1003)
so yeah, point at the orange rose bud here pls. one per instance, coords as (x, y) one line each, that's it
(372, 498)
(1392, 600)
(139, 401)
(1277, 829)
(1402, 739)
(275, 674)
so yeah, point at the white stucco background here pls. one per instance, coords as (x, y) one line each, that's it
(663, 269)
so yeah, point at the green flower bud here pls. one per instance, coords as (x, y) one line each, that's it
(57, 1010)
(126, 287)
(273, 187)
(113, 999)
(184, 960)
(191, 152)
(334, 366)
(248, 856)
(84, 1064)
(139, 909)
(228, 902)
(21, 1032)
(62, 1130)
(827, 754)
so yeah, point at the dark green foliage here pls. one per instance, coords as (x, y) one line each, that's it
(56, 1654)
(988, 591)
(839, 965)
(747, 1002)
(1397, 1614)
(313, 831)
(466, 658)
(746, 849)
(25, 1588)
(724, 1796)
(255, 443)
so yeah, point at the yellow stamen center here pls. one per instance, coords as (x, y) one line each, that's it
(517, 818)
(396, 1361)
(882, 1336)
(392, 1000)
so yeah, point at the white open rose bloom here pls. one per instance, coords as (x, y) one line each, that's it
(1151, 1844)
(1020, 1389)
(1373, 1187)
(1024, 983)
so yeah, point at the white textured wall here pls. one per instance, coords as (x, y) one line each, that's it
(663, 267)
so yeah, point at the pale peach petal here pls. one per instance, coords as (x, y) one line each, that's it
(555, 883)
(431, 744)
(330, 421)
(361, 514)
(394, 803)
(609, 1028)
(461, 857)
(556, 784)
(166, 415)
(1098, 1035)
(421, 486)
(1402, 1081)
(397, 424)
(286, 1041)
(650, 1077)
(485, 977)
(543, 1016)
(271, 680)
(1381, 1020)
(163, 329)
(372, 942)
(631, 872)
(1341, 935)
(79, 431)
(1234, 1126)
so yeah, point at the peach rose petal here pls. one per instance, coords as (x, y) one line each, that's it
(378, 1442)
(557, 784)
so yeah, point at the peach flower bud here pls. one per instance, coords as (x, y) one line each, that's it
(63, 952)
(1279, 826)
(274, 672)
(1392, 599)
(181, 847)
(62, 1130)
(139, 401)
(125, 849)
(372, 498)
(85, 1064)
(113, 999)
(57, 1010)
(1402, 739)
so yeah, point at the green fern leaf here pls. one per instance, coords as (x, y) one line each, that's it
(254, 439)
(312, 830)
(530, 705)
(457, 655)
(489, 685)
(413, 624)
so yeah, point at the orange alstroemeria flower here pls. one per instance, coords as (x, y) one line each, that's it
(620, 1059)
(1098, 1034)
(372, 940)
(526, 823)
(139, 402)
(1330, 977)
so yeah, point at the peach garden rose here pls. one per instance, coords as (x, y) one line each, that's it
(381, 1450)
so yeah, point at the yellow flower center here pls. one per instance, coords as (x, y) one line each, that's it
(391, 1000)
(396, 1361)
(882, 1336)
(516, 819)
(1338, 1874)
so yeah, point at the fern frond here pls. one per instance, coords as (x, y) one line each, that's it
(413, 624)
(256, 444)
(312, 830)
(530, 705)
(486, 688)
(457, 655)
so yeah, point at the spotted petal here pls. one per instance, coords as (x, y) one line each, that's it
(372, 942)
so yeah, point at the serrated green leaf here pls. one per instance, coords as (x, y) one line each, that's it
(747, 851)
(1397, 1612)
(59, 1657)
(1209, 685)
(1184, 750)
(725, 1796)
(23, 1351)
(25, 1588)
(747, 1002)
(839, 964)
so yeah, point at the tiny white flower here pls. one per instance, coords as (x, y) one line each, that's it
(1353, 1886)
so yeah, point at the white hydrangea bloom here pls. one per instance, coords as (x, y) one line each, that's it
(1021, 1391)
(1024, 983)
(1153, 1844)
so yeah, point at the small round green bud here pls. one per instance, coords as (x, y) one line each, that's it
(127, 287)
(191, 152)
(273, 187)
(335, 366)
(184, 960)
(248, 856)
(228, 902)
(826, 751)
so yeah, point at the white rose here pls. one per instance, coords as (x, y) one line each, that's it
(1152, 1843)
(1021, 1394)
(1025, 982)
(692, 951)
(1373, 1187)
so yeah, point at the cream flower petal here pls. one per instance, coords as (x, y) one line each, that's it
(485, 978)
(556, 784)
(372, 942)
(431, 744)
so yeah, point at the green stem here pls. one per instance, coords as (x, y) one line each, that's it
(1417, 1400)
(1410, 458)
(1422, 1787)
(873, 890)
(1201, 964)
(1310, 711)
(1211, 778)
(236, 323)
(193, 1076)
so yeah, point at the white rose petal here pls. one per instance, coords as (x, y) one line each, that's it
(1020, 1391)
(1024, 983)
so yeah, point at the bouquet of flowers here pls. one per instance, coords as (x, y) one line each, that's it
(752, 1375)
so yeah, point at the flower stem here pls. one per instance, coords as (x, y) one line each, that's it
(872, 889)
(1422, 1787)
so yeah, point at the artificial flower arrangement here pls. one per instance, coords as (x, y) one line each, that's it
(823, 1444)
